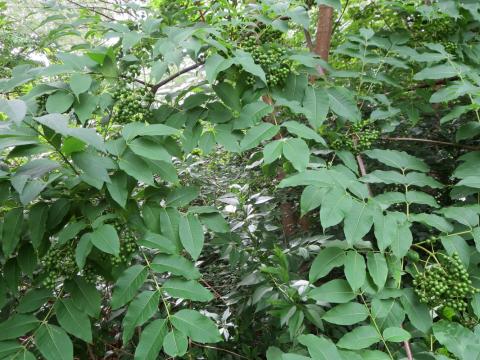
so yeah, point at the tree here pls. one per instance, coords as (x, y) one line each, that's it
(146, 171)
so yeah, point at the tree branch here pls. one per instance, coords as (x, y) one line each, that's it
(308, 39)
(340, 17)
(174, 76)
(363, 171)
(91, 9)
(138, 81)
(435, 142)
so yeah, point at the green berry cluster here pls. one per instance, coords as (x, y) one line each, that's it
(431, 240)
(132, 104)
(128, 245)
(58, 264)
(132, 72)
(445, 284)
(41, 103)
(141, 51)
(89, 273)
(269, 55)
(438, 30)
(359, 137)
(268, 34)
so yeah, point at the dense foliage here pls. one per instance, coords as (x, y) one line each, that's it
(189, 179)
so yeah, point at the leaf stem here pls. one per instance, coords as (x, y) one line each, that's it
(158, 287)
(376, 327)
(62, 155)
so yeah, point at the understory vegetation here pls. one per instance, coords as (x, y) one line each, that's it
(223, 179)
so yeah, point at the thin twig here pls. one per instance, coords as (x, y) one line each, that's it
(217, 294)
(220, 349)
(174, 76)
(406, 345)
(62, 155)
(340, 17)
(308, 39)
(429, 141)
(92, 10)
(144, 83)
(363, 171)
(362, 167)
(91, 355)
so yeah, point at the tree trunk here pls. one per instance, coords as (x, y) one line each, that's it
(323, 39)
(287, 209)
(323, 36)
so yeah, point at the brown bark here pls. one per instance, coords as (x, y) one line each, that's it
(287, 209)
(324, 31)
(304, 222)
(321, 47)
(290, 220)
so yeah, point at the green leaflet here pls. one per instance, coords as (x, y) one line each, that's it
(133, 130)
(182, 196)
(140, 310)
(320, 348)
(312, 197)
(245, 60)
(85, 296)
(346, 314)
(73, 320)
(128, 284)
(151, 340)
(358, 222)
(326, 260)
(117, 188)
(12, 227)
(355, 269)
(59, 124)
(377, 268)
(334, 291)
(336, 204)
(398, 159)
(37, 222)
(251, 114)
(418, 313)
(187, 289)
(105, 238)
(303, 131)
(359, 338)
(196, 326)
(18, 325)
(317, 103)
(54, 343)
(80, 83)
(33, 300)
(59, 102)
(175, 264)
(343, 104)
(14, 109)
(149, 149)
(175, 343)
(159, 242)
(214, 65)
(257, 134)
(191, 235)
(436, 72)
(457, 339)
(136, 167)
(396, 334)
(297, 152)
